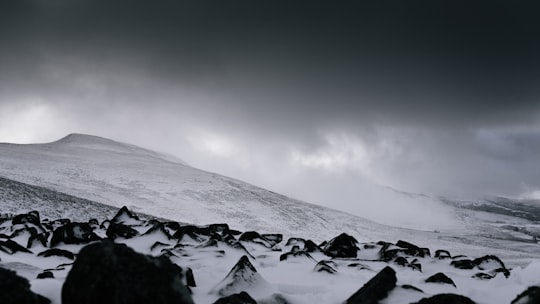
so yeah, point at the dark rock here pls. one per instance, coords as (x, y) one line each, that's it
(440, 278)
(295, 254)
(325, 266)
(295, 248)
(105, 224)
(172, 225)
(120, 230)
(359, 266)
(93, 222)
(342, 246)
(220, 229)
(158, 245)
(11, 247)
(209, 243)
(31, 217)
(190, 279)
(446, 298)
(412, 249)
(198, 234)
(58, 223)
(105, 272)
(375, 289)
(45, 275)
(529, 296)
(40, 238)
(57, 252)
(243, 276)
(401, 261)
(73, 233)
(237, 298)
(410, 287)
(273, 238)
(485, 262)
(310, 246)
(493, 264)
(160, 229)
(16, 290)
(483, 276)
(255, 237)
(295, 241)
(442, 254)
(126, 217)
(463, 264)
(415, 265)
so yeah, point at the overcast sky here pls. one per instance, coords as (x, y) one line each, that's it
(319, 100)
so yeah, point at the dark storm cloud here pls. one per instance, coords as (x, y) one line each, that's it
(426, 96)
(447, 61)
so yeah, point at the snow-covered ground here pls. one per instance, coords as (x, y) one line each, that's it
(117, 174)
(83, 177)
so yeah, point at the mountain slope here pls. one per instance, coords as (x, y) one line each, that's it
(99, 170)
(117, 174)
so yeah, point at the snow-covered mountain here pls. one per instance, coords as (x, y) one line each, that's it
(101, 172)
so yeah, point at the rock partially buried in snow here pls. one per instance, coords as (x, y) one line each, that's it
(529, 296)
(375, 289)
(242, 277)
(74, 233)
(109, 273)
(342, 246)
(446, 298)
(237, 298)
(440, 278)
(16, 290)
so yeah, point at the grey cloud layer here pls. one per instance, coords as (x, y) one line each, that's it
(455, 81)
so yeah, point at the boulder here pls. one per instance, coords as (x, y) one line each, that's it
(116, 230)
(446, 298)
(440, 278)
(530, 296)
(237, 298)
(342, 246)
(16, 290)
(413, 250)
(57, 252)
(74, 233)
(11, 247)
(463, 264)
(31, 217)
(126, 217)
(45, 275)
(242, 277)
(109, 273)
(442, 254)
(375, 289)
(326, 266)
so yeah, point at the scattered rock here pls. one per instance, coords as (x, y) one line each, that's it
(190, 279)
(401, 261)
(11, 247)
(295, 254)
(482, 276)
(120, 230)
(442, 254)
(255, 237)
(530, 296)
(413, 250)
(105, 272)
(237, 298)
(410, 287)
(375, 289)
(273, 238)
(415, 265)
(463, 264)
(57, 252)
(342, 246)
(242, 277)
(295, 241)
(440, 278)
(326, 266)
(446, 298)
(126, 217)
(73, 233)
(16, 290)
(31, 217)
(45, 275)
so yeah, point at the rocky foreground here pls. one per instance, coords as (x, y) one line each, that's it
(130, 260)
